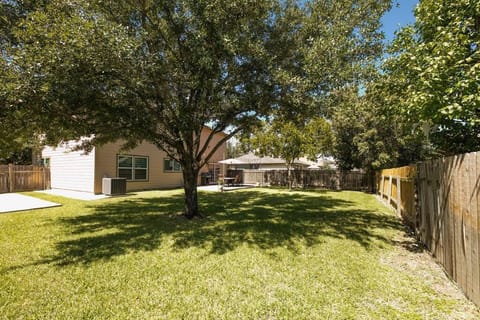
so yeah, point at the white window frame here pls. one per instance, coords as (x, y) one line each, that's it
(172, 161)
(133, 168)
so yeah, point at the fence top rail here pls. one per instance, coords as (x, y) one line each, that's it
(402, 172)
(4, 167)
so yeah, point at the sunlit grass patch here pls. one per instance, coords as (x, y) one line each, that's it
(257, 254)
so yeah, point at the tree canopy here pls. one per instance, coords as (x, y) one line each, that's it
(424, 101)
(329, 51)
(435, 67)
(160, 71)
(371, 131)
(290, 141)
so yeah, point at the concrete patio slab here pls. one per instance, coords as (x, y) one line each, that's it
(10, 202)
(78, 195)
(216, 188)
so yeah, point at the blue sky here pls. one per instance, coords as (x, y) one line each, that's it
(399, 16)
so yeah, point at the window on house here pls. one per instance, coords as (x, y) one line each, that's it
(170, 165)
(134, 168)
(45, 162)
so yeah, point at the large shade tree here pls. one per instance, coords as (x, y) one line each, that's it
(160, 71)
(17, 138)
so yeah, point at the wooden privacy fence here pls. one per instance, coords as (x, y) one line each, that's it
(254, 177)
(14, 178)
(397, 188)
(446, 216)
(327, 179)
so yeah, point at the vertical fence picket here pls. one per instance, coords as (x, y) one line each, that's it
(471, 232)
(476, 262)
(15, 178)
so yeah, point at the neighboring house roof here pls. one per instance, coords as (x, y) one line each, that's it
(232, 161)
(251, 158)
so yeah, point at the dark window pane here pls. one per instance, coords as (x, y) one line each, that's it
(125, 173)
(140, 174)
(141, 163)
(167, 165)
(124, 162)
(177, 166)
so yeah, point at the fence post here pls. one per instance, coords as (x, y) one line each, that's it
(382, 186)
(11, 178)
(338, 180)
(399, 197)
(389, 189)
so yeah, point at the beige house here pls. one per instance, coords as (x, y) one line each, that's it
(145, 166)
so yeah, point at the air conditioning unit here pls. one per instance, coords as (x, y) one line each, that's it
(114, 186)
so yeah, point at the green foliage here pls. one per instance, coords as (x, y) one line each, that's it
(282, 139)
(17, 136)
(425, 102)
(332, 47)
(290, 140)
(163, 70)
(234, 150)
(372, 133)
(319, 48)
(153, 70)
(436, 68)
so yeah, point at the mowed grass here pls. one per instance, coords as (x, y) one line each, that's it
(258, 254)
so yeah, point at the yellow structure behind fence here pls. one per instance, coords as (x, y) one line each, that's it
(397, 188)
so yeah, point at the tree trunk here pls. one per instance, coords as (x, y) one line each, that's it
(289, 177)
(190, 176)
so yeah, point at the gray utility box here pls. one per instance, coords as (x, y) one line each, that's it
(114, 186)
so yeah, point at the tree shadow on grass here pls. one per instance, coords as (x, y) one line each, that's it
(256, 218)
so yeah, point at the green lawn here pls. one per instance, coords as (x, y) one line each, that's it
(258, 254)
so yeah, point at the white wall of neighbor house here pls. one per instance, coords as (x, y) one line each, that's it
(157, 177)
(71, 170)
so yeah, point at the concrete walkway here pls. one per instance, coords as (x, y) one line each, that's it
(10, 202)
(78, 195)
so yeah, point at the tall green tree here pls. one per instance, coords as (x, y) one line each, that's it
(371, 132)
(18, 133)
(322, 47)
(435, 65)
(145, 70)
(233, 149)
(160, 70)
(290, 141)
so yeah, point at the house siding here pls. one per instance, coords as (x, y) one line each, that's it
(106, 166)
(74, 170)
(217, 156)
(71, 170)
(220, 153)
